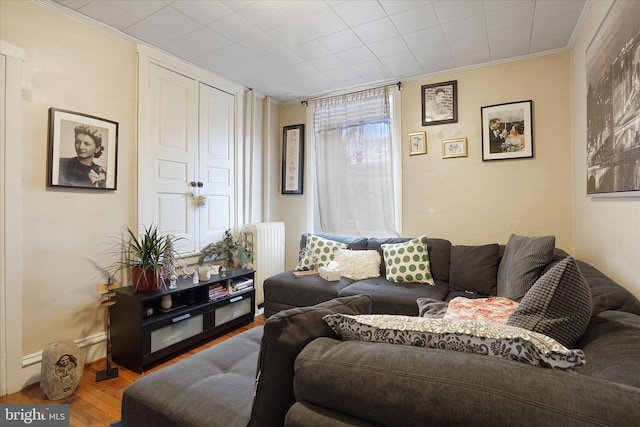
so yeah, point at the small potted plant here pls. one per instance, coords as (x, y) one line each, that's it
(233, 250)
(149, 256)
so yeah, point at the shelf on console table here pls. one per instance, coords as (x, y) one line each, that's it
(139, 339)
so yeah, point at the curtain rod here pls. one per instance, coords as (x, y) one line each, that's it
(305, 102)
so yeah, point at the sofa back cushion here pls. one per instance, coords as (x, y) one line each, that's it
(522, 264)
(285, 335)
(353, 242)
(474, 269)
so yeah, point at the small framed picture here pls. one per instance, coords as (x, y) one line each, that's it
(440, 103)
(454, 148)
(507, 131)
(417, 143)
(292, 159)
(83, 151)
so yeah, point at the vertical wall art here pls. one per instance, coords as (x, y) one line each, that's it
(440, 103)
(292, 159)
(613, 103)
(82, 151)
(507, 131)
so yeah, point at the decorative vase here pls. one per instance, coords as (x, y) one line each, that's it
(166, 302)
(144, 280)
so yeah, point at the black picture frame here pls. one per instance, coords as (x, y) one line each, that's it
(439, 103)
(513, 136)
(292, 159)
(97, 141)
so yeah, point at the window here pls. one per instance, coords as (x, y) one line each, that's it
(357, 164)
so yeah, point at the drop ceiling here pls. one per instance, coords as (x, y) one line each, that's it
(294, 49)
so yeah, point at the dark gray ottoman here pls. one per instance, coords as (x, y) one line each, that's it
(211, 388)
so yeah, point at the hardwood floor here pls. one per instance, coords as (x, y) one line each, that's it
(98, 403)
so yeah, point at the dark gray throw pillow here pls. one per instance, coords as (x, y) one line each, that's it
(285, 334)
(522, 264)
(474, 269)
(557, 305)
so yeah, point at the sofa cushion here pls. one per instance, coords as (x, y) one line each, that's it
(358, 265)
(611, 344)
(557, 305)
(469, 336)
(522, 263)
(492, 309)
(408, 261)
(352, 242)
(285, 334)
(394, 298)
(474, 269)
(318, 251)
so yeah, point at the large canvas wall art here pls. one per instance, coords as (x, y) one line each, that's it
(613, 103)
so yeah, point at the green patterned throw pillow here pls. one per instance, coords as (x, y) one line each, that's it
(408, 261)
(318, 251)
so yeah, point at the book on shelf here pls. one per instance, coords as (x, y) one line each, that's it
(240, 284)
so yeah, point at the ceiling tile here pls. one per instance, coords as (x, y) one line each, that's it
(207, 39)
(402, 65)
(451, 11)
(508, 43)
(357, 55)
(372, 32)
(465, 28)
(310, 50)
(342, 40)
(322, 23)
(435, 58)
(356, 12)
(415, 19)
(473, 50)
(326, 63)
(493, 5)
(184, 49)
(424, 38)
(234, 27)
(204, 12)
(389, 47)
(261, 45)
(393, 7)
(150, 33)
(264, 15)
(174, 20)
(300, 8)
(515, 16)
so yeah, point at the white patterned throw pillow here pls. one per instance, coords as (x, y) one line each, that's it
(319, 251)
(408, 261)
(358, 264)
(469, 336)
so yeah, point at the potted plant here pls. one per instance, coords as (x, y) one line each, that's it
(149, 256)
(234, 250)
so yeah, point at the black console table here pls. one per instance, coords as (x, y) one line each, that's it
(143, 332)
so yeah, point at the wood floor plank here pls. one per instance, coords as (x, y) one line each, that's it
(98, 403)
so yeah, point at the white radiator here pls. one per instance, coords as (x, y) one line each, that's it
(268, 253)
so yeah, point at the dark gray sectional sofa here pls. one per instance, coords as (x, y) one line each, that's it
(297, 372)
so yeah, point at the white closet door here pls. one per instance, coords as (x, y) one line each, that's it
(216, 163)
(172, 149)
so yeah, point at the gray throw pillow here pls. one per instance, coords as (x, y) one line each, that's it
(522, 264)
(557, 305)
(474, 269)
(285, 334)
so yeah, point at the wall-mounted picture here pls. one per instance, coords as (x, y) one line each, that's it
(83, 151)
(292, 159)
(417, 143)
(507, 131)
(440, 103)
(454, 148)
(613, 103)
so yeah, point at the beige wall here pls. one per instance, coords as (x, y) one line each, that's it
(469, 201)
(607, 230)
(72, 66)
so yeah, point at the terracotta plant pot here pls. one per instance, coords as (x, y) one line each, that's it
(144, 280)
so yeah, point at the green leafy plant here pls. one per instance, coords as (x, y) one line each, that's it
(231, 249)
(151, 253)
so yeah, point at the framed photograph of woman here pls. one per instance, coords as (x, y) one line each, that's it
(440, 103)
(83, 151)
(507, 131)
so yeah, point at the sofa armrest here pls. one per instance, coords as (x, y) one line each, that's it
(395, 385)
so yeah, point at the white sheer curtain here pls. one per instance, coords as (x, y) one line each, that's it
(354, 158)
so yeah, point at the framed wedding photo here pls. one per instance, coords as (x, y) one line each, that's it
(292, 159)
(417, 143)
(83, 151)
(440, 103)
(507, 131)
(454, 148)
